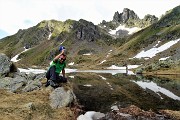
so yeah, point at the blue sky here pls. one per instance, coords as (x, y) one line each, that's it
(22, 14)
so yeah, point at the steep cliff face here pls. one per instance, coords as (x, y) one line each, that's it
(86, 30)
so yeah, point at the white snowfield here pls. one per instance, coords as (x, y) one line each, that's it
(122, 27)
(157, 89)
(153, 51)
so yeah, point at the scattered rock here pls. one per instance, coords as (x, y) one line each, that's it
(61, 98)
(133, 113)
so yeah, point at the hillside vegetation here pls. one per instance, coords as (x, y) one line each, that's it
(83, 37)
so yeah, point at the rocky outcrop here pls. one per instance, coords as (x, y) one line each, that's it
(128, 18)
(14, 81)
(6, 66)
(86, 30)
(21, 82)
(125, 16)
(131, 19)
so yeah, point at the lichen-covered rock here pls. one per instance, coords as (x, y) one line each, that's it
(61, 98)
(32, 85)
(12, 84)
(5, 65)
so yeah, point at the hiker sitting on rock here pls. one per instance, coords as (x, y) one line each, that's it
(55, 68)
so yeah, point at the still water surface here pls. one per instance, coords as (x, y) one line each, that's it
(102, 90)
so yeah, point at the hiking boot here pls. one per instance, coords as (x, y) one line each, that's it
(47, 83)
(53, 84)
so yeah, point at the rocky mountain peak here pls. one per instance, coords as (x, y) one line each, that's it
(129, 14)
(125, 16)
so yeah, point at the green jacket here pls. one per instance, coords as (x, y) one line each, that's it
(59, 66)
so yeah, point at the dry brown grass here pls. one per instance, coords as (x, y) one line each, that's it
(175, 115)
(31, 106)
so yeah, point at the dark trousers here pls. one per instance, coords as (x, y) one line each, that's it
(52, 75)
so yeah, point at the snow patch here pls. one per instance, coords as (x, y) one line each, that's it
(71, 76)
(30, 70)
(88, 54)
(115, 107)
(14, 59)
(164, 58)
(116, 67)
(153, 51)
(87, 85)
(87, 116)
(102, 77)
(102, 62)
(72, 63)
(49, 36)
(91, 115)
(122, 27)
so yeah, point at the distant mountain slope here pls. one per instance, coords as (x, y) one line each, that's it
(171, 18)
(165, 30)
(79, 37)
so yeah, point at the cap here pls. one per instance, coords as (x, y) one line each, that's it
(61, 48)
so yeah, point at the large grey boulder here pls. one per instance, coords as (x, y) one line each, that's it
(12, 84)
(61, 98)
(5, 65)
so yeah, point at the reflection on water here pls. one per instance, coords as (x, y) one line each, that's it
(99, 91)
(157, 89)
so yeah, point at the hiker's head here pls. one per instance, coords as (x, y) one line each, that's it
(61, 48)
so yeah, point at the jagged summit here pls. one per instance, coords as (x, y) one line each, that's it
(125, 16)
(126, 20)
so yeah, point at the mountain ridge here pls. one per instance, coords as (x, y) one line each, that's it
(82, 37)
